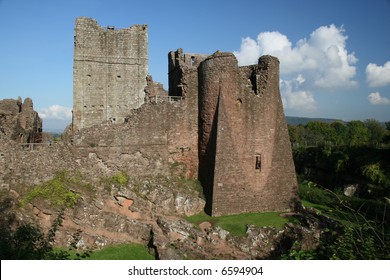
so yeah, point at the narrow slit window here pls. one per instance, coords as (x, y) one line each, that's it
(258, 162)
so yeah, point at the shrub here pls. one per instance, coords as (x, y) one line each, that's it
(58, 192)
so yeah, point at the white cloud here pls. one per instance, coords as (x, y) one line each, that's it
(295, 98)
(249, 52)
(56, 112)
(378, 76)
(375, 98)
(323, 58)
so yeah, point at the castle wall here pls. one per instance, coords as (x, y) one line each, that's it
(109, 72)
(244, 150)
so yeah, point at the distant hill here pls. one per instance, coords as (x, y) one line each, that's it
(55, 125)
(303, 121)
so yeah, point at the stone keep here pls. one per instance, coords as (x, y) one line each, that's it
(109, 72)
(245, 159)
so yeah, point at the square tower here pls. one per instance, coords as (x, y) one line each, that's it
(109, 72)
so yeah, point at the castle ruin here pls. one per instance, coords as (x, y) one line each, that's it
(221, 123)
(110, 68)
(228, 130)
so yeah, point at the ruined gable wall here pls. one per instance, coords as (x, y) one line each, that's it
(109, 73)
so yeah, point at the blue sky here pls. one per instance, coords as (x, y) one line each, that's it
(335, 55)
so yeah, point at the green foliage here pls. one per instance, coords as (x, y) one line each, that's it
(357, 134)
(62, 191)
(310, 191)
(364, 226)
(237, 224)
(376, 132)
(120, 179)
(374, 173)
(335, 167)
(28, 242)
(353, 243)
(337, 133)
(128, 251)
(363, 222)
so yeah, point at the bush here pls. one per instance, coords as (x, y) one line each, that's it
(28, 242)
(58, 192)
(120, 179)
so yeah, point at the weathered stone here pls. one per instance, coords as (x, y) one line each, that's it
(350, 190)
(188, 204)
(177, 229)
(244, 148)
(19, 122)
(110, 70)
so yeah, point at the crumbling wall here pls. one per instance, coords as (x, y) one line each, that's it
(109, 72)
(154, 89)
(156, 139)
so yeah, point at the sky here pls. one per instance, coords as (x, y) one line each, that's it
(334, 54)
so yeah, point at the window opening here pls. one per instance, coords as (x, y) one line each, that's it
(258, 162)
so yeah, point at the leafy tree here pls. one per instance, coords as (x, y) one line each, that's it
(376, 132)
(318, 133)
(339, 133)
(387, 135)
(296, 133)
(357, 133)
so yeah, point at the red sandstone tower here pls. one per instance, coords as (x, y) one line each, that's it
(245, 158)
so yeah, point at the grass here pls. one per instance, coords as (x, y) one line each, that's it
(237, 224)
(346, 210)
(128, 251)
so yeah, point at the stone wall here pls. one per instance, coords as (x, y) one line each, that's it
(109, 72)
(245, 158)
(156, 139)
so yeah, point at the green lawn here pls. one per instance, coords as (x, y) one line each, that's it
(128, 251)
(237, 224)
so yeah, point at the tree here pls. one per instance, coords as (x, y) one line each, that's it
(296, 133)
(387, 135)
(357, 133)
(319, 133)
(340, 133)
(376, 132)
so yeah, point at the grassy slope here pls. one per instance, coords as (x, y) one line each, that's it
(237, 224)
(128, 251)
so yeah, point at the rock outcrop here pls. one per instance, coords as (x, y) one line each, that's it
(19, 122)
